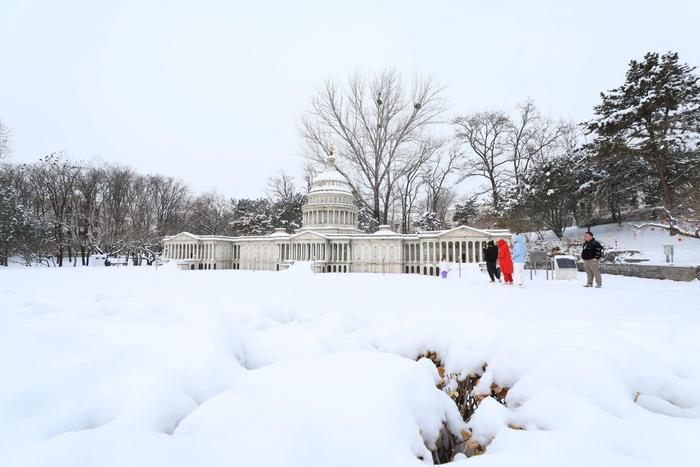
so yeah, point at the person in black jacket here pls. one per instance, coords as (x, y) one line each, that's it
(491, 258)
(591, 254)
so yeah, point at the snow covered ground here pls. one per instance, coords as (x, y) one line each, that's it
(159, 367)
(649, 241)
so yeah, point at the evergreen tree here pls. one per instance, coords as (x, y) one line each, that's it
(428, 222)
(654, 116)
(20, 233)
(252, 217)
(609, 185)
(287, 212)
(366, 221)
(550, 194)
(466, 212)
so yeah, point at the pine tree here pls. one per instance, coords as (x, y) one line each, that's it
(366, 221)
(550, 194)
(466, 212)
(252, 217)
(428, 222)
(655, 116)
(287, 212)
(20, 233)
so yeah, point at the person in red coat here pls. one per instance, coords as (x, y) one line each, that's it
(505, 261)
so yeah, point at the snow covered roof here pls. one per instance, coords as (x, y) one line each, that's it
(198, 237)
(279, 233)
(385, 230)
(439, 233)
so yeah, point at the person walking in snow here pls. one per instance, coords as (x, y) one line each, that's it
(591, 254)
(491, 258)
(519, 255)
(443, 267)
(505, 262)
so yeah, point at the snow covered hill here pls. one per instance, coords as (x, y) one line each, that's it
(146, 367)
(649, 241)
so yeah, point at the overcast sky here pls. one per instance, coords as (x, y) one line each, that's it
(211, 91)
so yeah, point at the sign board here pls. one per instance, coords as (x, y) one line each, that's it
(565, 267)
(564, 262)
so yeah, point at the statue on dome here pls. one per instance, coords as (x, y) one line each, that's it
(331, 158)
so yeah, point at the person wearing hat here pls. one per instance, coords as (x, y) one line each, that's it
(491, 258)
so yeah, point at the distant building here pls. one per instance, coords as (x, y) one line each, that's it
(331, 240)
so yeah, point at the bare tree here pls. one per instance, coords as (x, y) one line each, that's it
(169, 197)
(86, 204)
(212, 213)
(436, 174)
(485, 135)
(113, 222)
(410, 181)
(54, 180)
(309, 174)
(280, 187)
(372, 123)
(528, 138)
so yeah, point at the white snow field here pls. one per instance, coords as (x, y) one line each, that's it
(146, 367)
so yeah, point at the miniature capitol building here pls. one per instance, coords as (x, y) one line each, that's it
(331, 240)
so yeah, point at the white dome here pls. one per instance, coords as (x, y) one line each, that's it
(330, 206)
(330, 180)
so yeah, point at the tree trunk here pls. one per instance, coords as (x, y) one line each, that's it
(666, 189)
(494, 194)
(376, 212)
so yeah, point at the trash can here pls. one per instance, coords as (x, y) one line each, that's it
(564, 267)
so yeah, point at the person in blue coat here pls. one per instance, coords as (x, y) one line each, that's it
(519, 256)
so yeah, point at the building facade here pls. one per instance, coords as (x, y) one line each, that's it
(331, 241)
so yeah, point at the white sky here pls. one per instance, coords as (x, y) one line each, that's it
(211, 91)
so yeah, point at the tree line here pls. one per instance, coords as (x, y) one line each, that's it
(58, 209)
(404, 158)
